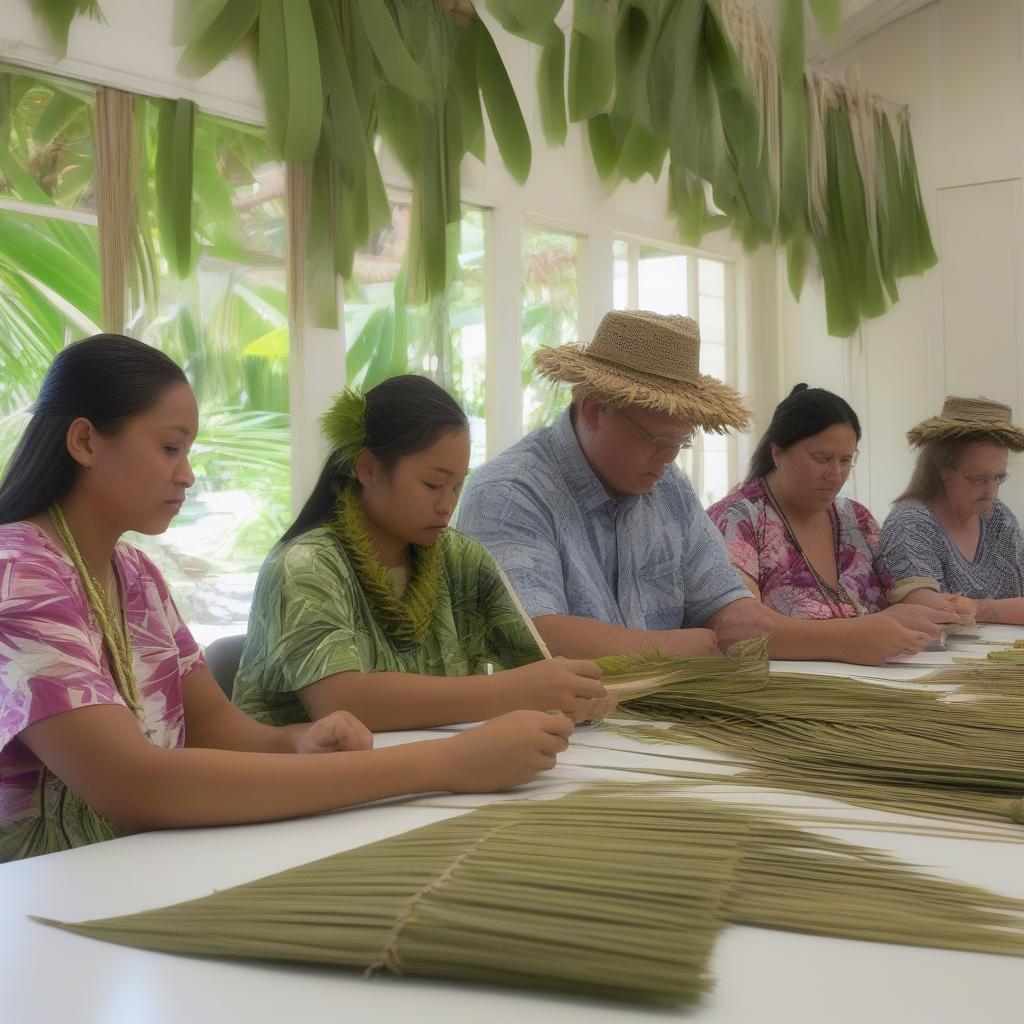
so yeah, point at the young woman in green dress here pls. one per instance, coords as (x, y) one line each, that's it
(371, 603)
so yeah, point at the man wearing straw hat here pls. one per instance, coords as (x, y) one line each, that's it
(948, 531)
(599, 532)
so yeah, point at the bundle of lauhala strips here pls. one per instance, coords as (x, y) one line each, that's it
(951, 744)
(616, 893)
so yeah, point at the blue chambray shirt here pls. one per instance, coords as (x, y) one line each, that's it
(646, 561)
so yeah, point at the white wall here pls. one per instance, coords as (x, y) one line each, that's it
(958, 329)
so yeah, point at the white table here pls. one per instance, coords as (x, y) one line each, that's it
(54, 977)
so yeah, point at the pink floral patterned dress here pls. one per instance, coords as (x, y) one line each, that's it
(759, 545)
(52, 660)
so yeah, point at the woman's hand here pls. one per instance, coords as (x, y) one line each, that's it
(506, 751)
(962, 607)
(557, 684)
(336, 731)
(877, 638)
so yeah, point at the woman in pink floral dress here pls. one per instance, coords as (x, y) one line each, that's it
(809, 553)
(109, 719)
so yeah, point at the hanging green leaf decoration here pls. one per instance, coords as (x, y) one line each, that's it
(889, 204)
(828, 14)
(591, 59)
(503, 110)
(531, 21)
(393, 58)
(605, 144)
(210, 40)
(651, 79)
(467, 88)
(793, 141)
(551, 88)
(57, 16)
(289, 70)
(917, 252)
(173, 183)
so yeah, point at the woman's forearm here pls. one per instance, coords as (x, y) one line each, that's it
(181, 788)
(811, 639)
(386, 701)
(1007, 610)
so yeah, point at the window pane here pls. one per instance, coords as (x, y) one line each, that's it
(550, 315)
(712, 360)
(48, 156)
(712, 320)
(227, 325)
(662, 281)
(620, 274)
(49, 295)
(712, 278)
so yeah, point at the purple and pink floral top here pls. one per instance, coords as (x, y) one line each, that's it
(52, 657)
(759, 545)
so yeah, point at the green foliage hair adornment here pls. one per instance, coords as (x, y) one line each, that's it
(344, 425)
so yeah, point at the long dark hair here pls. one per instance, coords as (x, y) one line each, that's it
(404, 415)
(803, 413)
(107, 379)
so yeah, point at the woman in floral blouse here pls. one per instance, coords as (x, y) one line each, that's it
(808, 553)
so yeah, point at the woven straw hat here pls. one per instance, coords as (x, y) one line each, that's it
(970, 419)
(650, 360)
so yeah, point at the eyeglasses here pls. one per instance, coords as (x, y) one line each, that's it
(659, 443)
(984, 479)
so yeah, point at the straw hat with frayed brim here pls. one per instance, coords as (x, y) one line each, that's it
(970, 419)
(650, 360)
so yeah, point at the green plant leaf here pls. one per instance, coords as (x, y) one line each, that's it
(468, 90)
(605, 144)
(192, 18)
(393, 58)
(208, 43)
(531, 21)
(174, 168)
(828, 14)
(551, 88)
(792, 126)
(57, 16)
(591, 59)
(503, 110)
(289, 70)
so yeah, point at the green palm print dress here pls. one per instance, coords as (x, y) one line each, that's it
(311, 618)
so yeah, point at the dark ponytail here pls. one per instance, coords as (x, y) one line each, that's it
(804, 413)
(404, 415)
(107, 379)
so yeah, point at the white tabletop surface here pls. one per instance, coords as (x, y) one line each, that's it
(760, 976)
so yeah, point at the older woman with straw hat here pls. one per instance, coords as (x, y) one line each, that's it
(948, 531)
(599, 532)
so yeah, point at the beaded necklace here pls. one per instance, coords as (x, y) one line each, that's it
(833, 596)
(113, 626)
